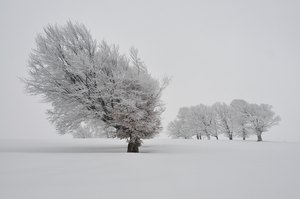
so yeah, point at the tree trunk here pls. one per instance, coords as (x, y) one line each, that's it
(217, 137)
(200, 137)
(133, 148)
(133, 145)
(244, 134)
(259, 138)
(208, 136)
(230, 137)
(197, 137)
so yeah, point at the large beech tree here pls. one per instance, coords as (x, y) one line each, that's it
(91, 83)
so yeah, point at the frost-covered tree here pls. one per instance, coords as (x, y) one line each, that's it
(239, 119)
(202, 116)
(242, 119)
(87, 81)
(253, 118)
(196, 121)
(214, 127)
(93, 129)
(262, 118)
(179, 129)
(181, 126)
(226, 119)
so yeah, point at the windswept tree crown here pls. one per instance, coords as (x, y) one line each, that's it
(92, 83)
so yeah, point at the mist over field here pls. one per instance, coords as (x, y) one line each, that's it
(214, 51)
(203, 94)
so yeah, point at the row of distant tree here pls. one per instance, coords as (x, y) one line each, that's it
(239, 119)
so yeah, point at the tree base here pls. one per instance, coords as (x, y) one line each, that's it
(259, 138)
(199, 137)
(133, 145)
(133, 148)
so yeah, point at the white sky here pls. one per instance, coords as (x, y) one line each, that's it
(213, 50)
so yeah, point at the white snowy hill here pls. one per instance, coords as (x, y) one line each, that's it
(101, 168)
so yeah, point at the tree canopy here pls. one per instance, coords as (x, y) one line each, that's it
(240, 119)
(91, 83)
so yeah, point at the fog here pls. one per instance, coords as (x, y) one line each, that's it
(212, 50)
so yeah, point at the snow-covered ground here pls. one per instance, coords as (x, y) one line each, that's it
(101, 168)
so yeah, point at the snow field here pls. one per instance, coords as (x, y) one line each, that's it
(101, 168)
